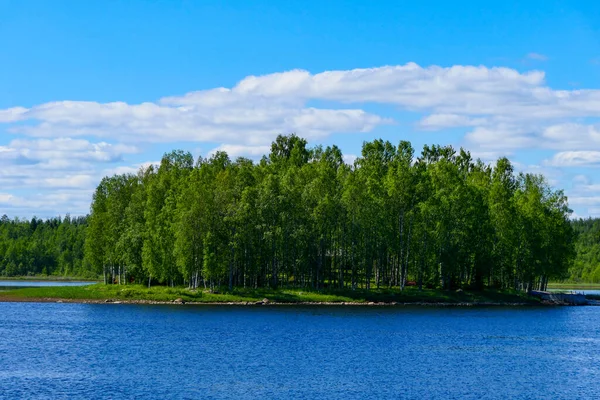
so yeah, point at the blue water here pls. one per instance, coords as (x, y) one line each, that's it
(108, 351)
(582, 291)
(588, 291)
(8, 285)
(594, 292)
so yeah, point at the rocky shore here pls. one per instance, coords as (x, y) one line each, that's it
(264, 302)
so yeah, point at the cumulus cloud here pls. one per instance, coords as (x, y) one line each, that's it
(572, 136)
(493, 101)
(575, 159)
(411, 86)
(496, 103)
(48, 176)
(442, 121)
(528, 134)
(501, 136)
(45, 204)
(235, 151)
(584, 200)
(249, 121)
(12, 114)
(501, 111)
(129, 169)
(62, 149)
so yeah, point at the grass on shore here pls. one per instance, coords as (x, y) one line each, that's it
(165, 294)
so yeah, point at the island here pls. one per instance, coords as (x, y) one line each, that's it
(305, 226)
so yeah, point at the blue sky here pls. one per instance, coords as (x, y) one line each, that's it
(90, 88)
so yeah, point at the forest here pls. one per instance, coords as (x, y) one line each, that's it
(586, 266)
(43, 247)
(302, 217)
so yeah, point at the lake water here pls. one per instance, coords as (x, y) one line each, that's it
(9, 284)
(594, 292)
(583, 291)
(113, 351)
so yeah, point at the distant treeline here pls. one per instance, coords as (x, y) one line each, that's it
(43, 247)
(586, 267)
(302, 217)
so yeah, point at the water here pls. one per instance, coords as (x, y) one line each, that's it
(594, 292)
(107, 351)
(9, 285)
(582, 291)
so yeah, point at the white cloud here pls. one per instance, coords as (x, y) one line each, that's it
(6, 198)
(574, 159)
(587, 188)
(501, 110)
(257, 108)
(53, 175)
(12, 114)
(584, 200)
(501, 137)
(494, 101)
(235, 151)
(593, 212)
(349, 158)
(129, 169)
(250, 121)
(537, 57)
(411, 86)
(489, 157)
(531, 135)
(45, 204)
(71, 181)
(61, 149)
(441, 121)
(572, 136)
(584, 195)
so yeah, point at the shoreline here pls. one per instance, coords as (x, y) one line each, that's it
(8, 299)
(138, 294)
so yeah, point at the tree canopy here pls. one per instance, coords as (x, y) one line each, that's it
(43, 247)
(302, 217)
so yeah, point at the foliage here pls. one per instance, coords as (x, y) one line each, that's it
(302, 218)
(43, 247)
(586, 266)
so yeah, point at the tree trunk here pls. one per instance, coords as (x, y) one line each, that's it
(405, 265)
(273, 265)
(231, 268)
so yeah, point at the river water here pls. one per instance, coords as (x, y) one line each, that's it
(112, 351)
